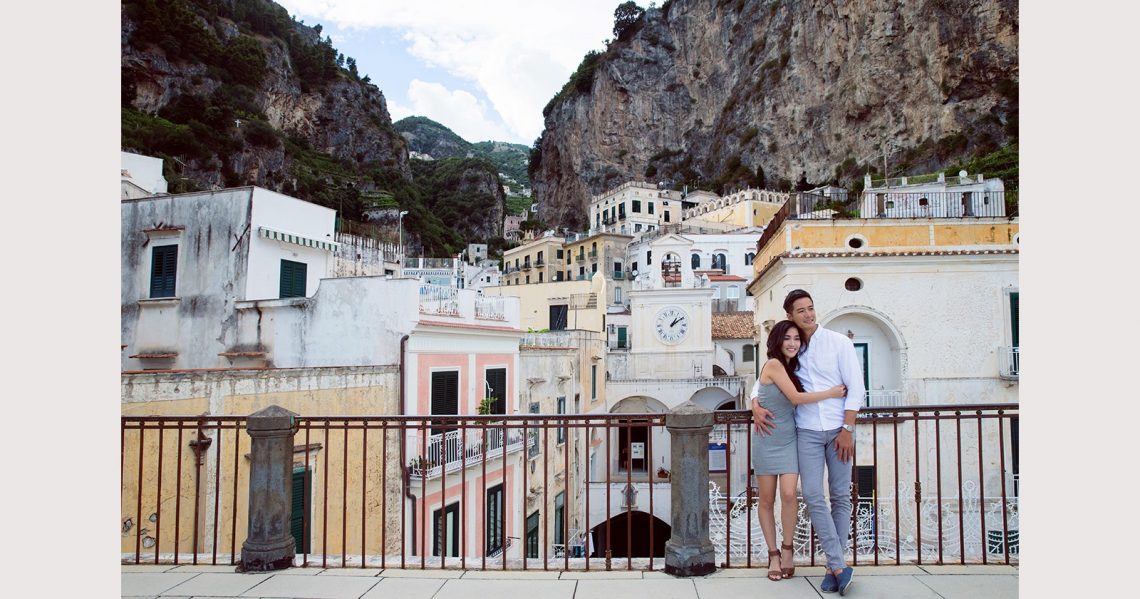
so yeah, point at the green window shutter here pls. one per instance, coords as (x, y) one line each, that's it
(298, 513)
(293, 275)
(444, 396)
(497, 381)
(621, 337)
(1013, 317)
(163, 270)
(559, 518)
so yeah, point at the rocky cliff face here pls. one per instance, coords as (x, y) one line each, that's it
(345, 118)
(707, 93)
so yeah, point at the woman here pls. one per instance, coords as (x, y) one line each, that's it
(774, 456)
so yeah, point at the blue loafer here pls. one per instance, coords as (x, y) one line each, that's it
(830, 584)
(844, 580)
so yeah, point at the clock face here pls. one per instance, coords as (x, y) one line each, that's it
(672, 325)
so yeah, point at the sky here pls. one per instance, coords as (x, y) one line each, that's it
(483, 68)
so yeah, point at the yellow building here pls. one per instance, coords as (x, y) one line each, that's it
(745, 208)
(537, 261)
(930, 302)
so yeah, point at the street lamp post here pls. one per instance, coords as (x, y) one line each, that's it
(400, 250)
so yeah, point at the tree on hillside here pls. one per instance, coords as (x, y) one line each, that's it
(626, 14)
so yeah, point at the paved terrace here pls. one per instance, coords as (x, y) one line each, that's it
(908, 581)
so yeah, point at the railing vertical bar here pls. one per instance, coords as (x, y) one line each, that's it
(463, 497)
(178, 493)
(307, 512)
(961, 527)
(628, 493)
(405, 491)
(424, 463)
(854, 501)
(649, 471)
(325, 501)
(234, 497)
(483, 458)
(139, 494)
(442, 536)
(589, 536)
(917, 489)
(545, 495)
(363, 491)
(158, 496)
(1001, 471)
(217, 492)
(748, 476)
(982, 492)
(503, 503)
(344, 497)
(609, 484)
(384, 493)
(727, 502)
(197, 486)
(875, 485)
(526, 490)
(897, 490)
(566, 489)
(938, 479)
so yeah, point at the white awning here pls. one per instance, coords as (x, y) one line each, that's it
(267, 233)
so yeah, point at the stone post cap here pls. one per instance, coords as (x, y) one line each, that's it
(272, 418)
(689, 415)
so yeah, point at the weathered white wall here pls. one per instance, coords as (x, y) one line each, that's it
(946, 314)
(289, 215)
(144, 172)
(211, 270)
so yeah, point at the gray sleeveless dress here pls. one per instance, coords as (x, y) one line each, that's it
(776, 453)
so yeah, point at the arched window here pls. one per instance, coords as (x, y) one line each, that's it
(749, 257)
(719, 261)
(696, 261)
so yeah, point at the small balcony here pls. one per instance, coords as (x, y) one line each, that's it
(526, 266)
(593, 254)
(882, 398)
(618, 275)
(445, 451)
(1009, 362)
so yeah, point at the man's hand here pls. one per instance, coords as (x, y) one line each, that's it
(845, 445)
(762, 419)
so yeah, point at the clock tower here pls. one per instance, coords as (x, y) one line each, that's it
(672, 333)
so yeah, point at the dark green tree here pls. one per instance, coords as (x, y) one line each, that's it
(626, 14)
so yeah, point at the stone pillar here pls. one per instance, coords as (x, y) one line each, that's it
(269, 544)
(689, 552)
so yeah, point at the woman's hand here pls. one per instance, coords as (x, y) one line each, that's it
(837, 391)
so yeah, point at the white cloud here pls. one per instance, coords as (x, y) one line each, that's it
(459, 110)
(519, 54)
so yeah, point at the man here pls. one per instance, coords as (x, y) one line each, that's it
(825, 434)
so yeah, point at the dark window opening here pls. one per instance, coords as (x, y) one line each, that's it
(293, 276)
(558, 314)
(163, 270)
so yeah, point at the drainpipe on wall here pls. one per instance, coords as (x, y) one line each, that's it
(407, 475)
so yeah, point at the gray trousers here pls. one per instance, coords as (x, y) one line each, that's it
(832, 526)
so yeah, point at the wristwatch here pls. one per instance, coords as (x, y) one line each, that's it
(848, 428)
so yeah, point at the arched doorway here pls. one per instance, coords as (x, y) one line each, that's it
(628, 535)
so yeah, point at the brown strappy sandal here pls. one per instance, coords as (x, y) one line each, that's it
(788, 572)
(778, 572)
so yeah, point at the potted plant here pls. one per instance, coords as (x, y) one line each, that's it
(662, 472)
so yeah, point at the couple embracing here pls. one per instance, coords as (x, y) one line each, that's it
(804, 405)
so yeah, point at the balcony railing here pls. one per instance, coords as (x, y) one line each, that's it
(883, 398)
(593, 254)
(932, 485)
(526, 266)
(450, 450)
(437, 299)
(490, 308)
(1009, 362)
(546, 340)
(617, 275)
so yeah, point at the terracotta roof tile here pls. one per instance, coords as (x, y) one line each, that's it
(732, 325)
(726, 278)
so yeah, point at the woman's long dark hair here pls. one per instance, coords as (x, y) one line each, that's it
(775, 340)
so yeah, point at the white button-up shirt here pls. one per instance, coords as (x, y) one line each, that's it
(829, 360)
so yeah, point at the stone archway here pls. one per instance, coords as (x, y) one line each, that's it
(629, 534)
(881, 349)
